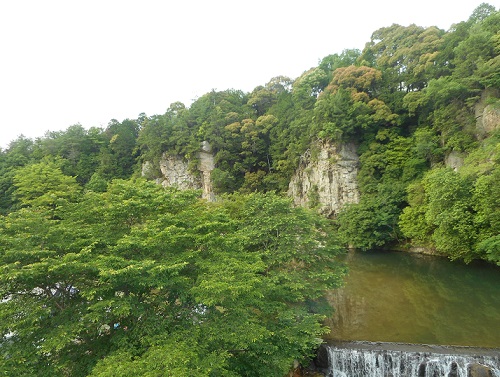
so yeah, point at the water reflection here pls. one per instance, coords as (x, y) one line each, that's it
(398, 297)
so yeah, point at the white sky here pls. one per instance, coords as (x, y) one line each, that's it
(64, 62)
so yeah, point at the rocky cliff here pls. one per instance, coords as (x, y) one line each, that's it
(326, 178)
(205, 166)
(175, 172)
(487, 112)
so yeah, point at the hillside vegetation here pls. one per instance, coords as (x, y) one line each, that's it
(408, 100)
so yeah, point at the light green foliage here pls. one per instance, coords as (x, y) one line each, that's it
(347, 58)
(485, 159)
(406, 54)
(262, 98)
(445, 90)
(442, 209)
(388, 165)
(412, 221)
(455, 123)
(490, 249)
(18, 154)
(486, 201)
(450, 211)
(158, 280)
(174, 357)
(253, 139)
(336, 115)
(44, 185)
(489, 71)
(96, 183)
(427, 145)
(457, 212)
(479, 46)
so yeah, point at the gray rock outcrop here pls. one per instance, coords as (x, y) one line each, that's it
(175, 172)
(327, 180)
(487, 114)
(205, 166)
(478, 370)
(454, 160)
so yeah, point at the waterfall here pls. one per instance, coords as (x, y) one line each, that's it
(365, 359)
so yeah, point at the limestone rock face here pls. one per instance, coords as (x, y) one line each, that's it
(487, 115)
(491, 119)
(205, 166)
(326, 180)
(487, 121)
(175, 172)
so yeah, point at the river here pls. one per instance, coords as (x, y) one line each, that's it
(408, 298)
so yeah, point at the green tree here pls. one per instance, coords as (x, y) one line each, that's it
(389, 160)
(169, 133)
(412, 220)
(347, 108)
(445, 211)
(486, 202)
(406, 55)
(159, 279)
(373, 222)
(118, 155)
(308, 86)
(43, 185)
(479, 46)
(18, 154)
(288, 139)
(79, 150)
(331, 62)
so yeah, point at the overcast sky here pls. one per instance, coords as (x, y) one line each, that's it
(66, 62)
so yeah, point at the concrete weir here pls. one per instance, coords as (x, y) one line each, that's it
(381, 359)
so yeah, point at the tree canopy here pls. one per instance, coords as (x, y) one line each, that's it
(138, 279)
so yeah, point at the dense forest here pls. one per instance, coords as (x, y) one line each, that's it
(105, 273)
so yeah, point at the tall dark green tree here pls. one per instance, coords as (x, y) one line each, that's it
(118, 155)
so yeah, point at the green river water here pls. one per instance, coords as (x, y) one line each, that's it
(402, 297)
